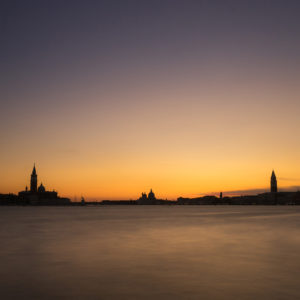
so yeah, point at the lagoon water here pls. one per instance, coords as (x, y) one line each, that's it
(150, 252)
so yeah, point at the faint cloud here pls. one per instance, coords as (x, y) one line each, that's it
(288, 179)
(292, 188)
(243, 192)
(246, 192)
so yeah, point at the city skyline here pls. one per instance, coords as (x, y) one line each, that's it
(38, 195)
(111, 98)
(150, 149)
(36, 186)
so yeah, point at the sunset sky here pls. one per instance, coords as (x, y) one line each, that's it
(112, 98)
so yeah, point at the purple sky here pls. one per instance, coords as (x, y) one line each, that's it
(185, 96)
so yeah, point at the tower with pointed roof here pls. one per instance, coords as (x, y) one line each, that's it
(39, 195)
(33, 181)
(273, 183)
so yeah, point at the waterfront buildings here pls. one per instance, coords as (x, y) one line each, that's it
(39, 195)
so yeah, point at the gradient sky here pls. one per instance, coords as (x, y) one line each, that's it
(112, 98)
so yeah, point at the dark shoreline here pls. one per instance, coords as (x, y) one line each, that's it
(279, 198)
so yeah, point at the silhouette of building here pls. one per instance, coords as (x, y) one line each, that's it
(150, 199)
(39, 195)
(33, 181)
(151, 196)
(41, 189)
(273, 183)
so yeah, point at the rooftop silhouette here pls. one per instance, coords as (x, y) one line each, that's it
(38, 195)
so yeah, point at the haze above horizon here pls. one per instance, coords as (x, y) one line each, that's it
(112, 98)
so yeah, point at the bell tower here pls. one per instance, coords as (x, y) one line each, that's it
(273, 183)
(33, 181)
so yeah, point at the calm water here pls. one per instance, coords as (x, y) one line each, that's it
(128, 252)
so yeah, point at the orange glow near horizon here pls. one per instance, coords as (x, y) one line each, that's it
(129, 186)
(178, 146)
(186, 103)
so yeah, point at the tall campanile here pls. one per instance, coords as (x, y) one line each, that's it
(33, 181)
(273, 183)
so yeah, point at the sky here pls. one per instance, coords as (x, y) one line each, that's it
(112, 98)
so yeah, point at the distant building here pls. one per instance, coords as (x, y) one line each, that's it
(150, 199)
(33, 181)
(273, 183)
(39, 195)
(151, 196)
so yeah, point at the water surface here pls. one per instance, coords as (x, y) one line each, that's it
(150, 252)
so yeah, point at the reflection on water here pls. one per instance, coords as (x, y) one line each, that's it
(162, 252)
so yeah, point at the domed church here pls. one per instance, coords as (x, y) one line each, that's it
(150, 199)
(39, 195)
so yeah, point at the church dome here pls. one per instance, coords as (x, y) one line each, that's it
(41, 189)
(151, 195)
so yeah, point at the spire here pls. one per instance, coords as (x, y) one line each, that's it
(34, 170)
(33, 181)
(273, 183)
